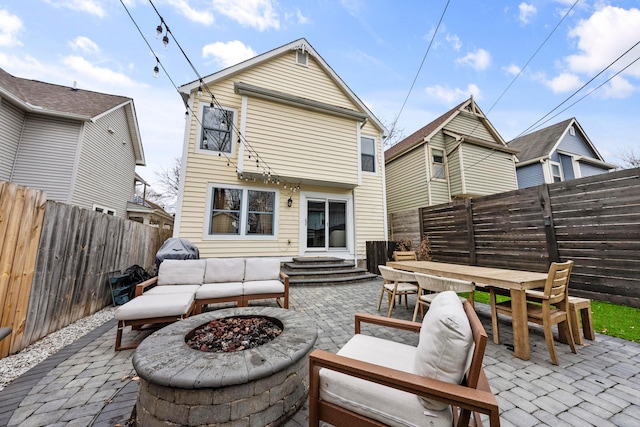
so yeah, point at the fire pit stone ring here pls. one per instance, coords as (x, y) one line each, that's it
(263, 386)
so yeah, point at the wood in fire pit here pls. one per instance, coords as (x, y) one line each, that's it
(231, 334)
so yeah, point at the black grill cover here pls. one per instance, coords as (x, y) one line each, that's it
(176, 248)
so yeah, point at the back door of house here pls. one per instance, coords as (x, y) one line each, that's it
(326, 224)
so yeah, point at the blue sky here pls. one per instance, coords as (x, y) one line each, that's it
(375, 46)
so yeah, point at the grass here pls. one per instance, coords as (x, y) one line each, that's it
(609, 319)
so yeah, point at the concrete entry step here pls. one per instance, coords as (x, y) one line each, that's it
(324, 270)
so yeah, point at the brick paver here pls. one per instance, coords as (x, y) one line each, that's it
(89, 384)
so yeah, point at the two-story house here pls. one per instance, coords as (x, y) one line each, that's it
(458, 155)
(80, 147)
(557, 153)
(280, 159)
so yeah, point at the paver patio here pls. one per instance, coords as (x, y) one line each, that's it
(89, 384)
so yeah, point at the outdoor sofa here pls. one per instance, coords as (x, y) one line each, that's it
(184, 287)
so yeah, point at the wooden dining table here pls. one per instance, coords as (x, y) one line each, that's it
(517, 282)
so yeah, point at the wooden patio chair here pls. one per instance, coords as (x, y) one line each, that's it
(546, 307)
(376, 382)
(405, 256)
(433, 285)
(396, 283)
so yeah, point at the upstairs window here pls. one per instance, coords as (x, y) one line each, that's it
(367, 154)
(217, 127)
(556, 172)
(437, 164)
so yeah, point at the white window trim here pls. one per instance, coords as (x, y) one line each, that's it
(105, 210)
(551, 163)
(243, 214)
(375, 155)
(444, 165)
(234, 133)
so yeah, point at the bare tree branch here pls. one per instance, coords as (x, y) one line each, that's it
(629, 157)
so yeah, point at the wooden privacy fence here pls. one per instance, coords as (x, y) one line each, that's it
(57, 272)
(593, 221)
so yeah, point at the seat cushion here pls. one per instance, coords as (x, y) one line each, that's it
(175, 289)
(262, 287)
(155, 306)
(444, 348)
(222, 270)
(219, 290)
(262, 269)
(387, 405)
(402, 287)
(181, 272)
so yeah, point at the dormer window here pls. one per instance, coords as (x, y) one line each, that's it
(302, 58)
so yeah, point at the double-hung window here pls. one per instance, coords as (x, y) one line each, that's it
(239, 212)
(556, 172)
(217, 129)
(437, 164)
(367, 154)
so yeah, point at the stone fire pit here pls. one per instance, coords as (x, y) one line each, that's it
(261, 386)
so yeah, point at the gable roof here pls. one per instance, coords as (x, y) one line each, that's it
(542, 143)
(65, 102)
(186, 89)
(418, 137)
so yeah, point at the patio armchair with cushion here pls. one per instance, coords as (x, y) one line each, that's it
(376, 382)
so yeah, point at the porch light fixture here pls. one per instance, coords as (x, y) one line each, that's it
(289, 202)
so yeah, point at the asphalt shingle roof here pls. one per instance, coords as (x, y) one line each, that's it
(539, 143)
(61, 99)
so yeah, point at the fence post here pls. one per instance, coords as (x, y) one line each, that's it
(549, 229)
(471, 234)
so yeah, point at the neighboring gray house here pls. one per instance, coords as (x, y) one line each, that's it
(557, 153)
(78, 146)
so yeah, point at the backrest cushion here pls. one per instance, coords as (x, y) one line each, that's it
(224, 270)
(445, 344)
(262, 269)
(181, 272)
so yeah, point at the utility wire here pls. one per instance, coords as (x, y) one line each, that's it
(420, 68)
(533, 126)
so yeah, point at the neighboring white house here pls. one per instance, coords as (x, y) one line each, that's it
(80, 147)
(557, 153)
(286, 162)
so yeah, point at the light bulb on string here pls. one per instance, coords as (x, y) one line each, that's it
(165, 42)
(156, 71)
(159, 31)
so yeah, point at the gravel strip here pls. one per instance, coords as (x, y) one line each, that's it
(11, 367)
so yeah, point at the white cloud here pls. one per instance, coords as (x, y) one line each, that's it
(563, 82)
(10, 28)
(353, 7)
(98, 74)
(603, 37)
(259, 14)
(527, 11)
(450, 96)
(478, 60)
(512, 69)
(201, 16)
(229, 53)
(89, 6)
(455, 41)
(617, 87)
(84, 44)
(301, 18)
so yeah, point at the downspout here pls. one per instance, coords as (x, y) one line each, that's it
(355, 235)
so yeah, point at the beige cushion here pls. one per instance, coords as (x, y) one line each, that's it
(154, 306)
(402, 287)
(181, 272)
(221, 270)
(445, 344)
(219, 290)
(262, 269)
(163, 290)
(263, 287)
(387, 405)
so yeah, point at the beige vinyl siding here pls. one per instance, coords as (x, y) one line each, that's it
(46, 155)
(307, 142)
(106, 168)
(11, 122)
(469, 124)
(487, 171)
(406, 179)
(455, 172)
